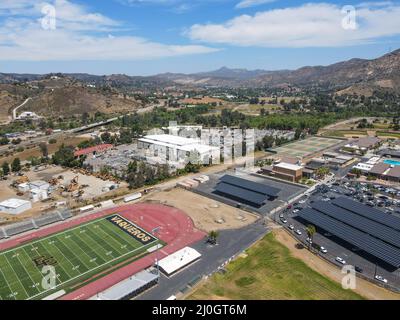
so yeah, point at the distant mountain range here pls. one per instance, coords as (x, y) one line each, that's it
(356, 75)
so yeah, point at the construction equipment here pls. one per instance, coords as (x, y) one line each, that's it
(74, 185)
(22, 179)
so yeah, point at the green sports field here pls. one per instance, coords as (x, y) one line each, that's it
(307, 147)
(78, 256)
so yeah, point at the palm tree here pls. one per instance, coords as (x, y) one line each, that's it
(310, 232)
(213, 236)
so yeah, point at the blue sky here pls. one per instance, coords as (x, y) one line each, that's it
(142, 37)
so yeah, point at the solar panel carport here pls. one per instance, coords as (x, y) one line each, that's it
(359, 239)
(245, 191)
(253, 197)
(371, 227)
(251, 185)
(368, 212)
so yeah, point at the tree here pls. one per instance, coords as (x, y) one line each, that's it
(6, 168)
(310, 232)
(322, 172)
(4, 141)
(106, 137)
(213, 237)
(65, 157)
(16, 165)
(44, 149)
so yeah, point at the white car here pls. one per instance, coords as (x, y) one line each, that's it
(303, 201)
(281, 216)
(291, 227)
(284, 220)
(323, 250)
(298, 232)
(296, 210)
(340, 260)
(381, 279)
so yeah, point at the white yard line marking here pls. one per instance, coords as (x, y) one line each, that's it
(88, 271)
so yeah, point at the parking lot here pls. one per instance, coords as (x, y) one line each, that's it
(383, 198)
(288, 191)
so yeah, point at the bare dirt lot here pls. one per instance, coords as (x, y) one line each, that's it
(206, 213)
(92, 190)
(364, 288)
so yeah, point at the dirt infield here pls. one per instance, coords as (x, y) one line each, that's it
(175, 228)
(206, 213)
(364, 288)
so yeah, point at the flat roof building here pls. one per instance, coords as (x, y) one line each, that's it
(177, 149)
(15, 206)
(288, 171)
(178, 260)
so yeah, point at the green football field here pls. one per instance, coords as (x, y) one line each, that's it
(77, 255)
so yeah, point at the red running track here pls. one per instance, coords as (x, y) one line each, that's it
(176, 229)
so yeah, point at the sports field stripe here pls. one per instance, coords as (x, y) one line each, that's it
(85, 241)
(24, 267)
(19, 277)
(104, 242)
(100, 250)
(72, 257)
(5, 288)
(55, 252)
(78, 248)
(13, 281)
(30, 267)
(116, 242)
(111, 234)
(130, 241)
(60, 272)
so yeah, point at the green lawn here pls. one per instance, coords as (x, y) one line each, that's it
(77, 254)
(270, 272)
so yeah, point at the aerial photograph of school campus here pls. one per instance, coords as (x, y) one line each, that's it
(199, 150)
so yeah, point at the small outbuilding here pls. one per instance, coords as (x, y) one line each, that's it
(15, 206)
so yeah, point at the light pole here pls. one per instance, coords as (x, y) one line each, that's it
(155, 231)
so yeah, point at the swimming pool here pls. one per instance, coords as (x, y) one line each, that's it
(392, 162)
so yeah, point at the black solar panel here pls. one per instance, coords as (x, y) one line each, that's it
(240, 193)
(363, 241)
(368, 212)
(373, 228)
(250, 185)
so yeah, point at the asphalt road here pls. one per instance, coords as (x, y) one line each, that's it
(230, 243)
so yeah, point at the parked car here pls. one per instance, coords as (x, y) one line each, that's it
(323, 250)
(358, 269)
(284, 220)
(381, 279)
(340, 260)
(298, 232)
(291, 227)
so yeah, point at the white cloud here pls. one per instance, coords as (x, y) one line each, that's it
(252, 3)
(309, 25)
(79, 35)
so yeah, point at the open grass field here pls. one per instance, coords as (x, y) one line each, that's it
(307, 147)
(78, 255)
(270, 272)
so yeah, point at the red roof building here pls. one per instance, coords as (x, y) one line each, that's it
(92, 150)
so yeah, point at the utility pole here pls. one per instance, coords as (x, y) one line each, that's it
(155, 231)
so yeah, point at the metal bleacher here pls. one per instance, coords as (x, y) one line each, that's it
(19, 228)
(66, 214)
(36, 223)
(48, 219)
